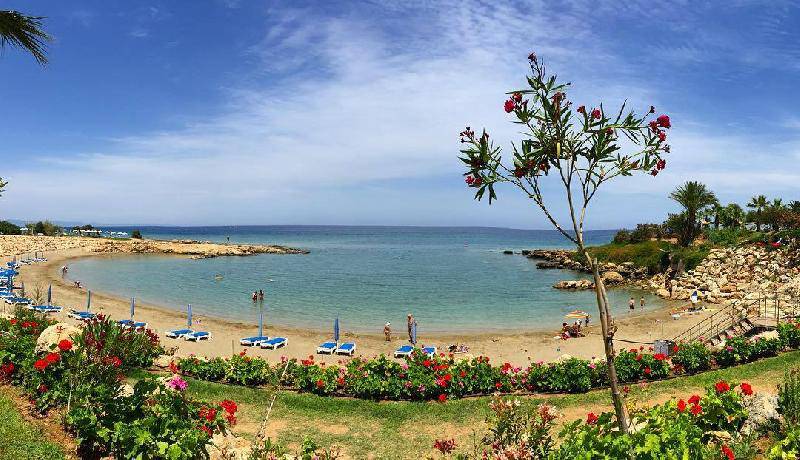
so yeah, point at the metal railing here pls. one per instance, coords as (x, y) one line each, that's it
(717, 323)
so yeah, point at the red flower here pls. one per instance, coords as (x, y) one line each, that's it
(654, 172)
(747, 390)
(647, 371)
(320, 384)
(40, 365)
(469, 180)
(463, 373)
(582, 109)
(509, 105)
(427, 363)
(42, 388)
(722, 387)
(229, 406)
(591, 418)
(65, 345)
(114, 361)
(172, 367)
(445, 446)
(442, 398)
(517, 97)
(675, 349)
(206, 430)
(661, 164)
(498, 385)
(696, 409)
(7, 369)
(681, 406)
(13, 321)
(663, 121)
(694, 400)
(638, 357)
(596, 114)
(726, 451)
(662, 136)
(659, 356)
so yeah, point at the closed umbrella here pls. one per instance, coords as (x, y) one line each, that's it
(133, 306)
(22, 288)
(414, 333)
(261, 320)
(336, 330)
(50, 294)
(189, 315)
(88, 300)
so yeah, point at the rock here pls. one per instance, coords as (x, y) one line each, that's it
(612, 277)
(508, 252)
(767, 335)
(663, 293)
(229, 447)
(574, 284)
(50, 337)
(162, 361)
(762, 413)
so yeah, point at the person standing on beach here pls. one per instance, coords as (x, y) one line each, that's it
(387, 332)
(631, 304)
(411, 322)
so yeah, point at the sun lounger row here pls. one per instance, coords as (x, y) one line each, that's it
(406, 350)
(330, 348)
(188, 334)
(264, 342)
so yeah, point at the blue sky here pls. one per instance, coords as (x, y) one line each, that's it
(247, 112)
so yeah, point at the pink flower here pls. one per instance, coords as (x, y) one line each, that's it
(177, 383)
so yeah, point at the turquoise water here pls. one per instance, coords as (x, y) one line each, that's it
(452, 279)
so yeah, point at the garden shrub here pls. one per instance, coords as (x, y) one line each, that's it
(104, 339)
(789, 334)
(736, 350)
(691, 358)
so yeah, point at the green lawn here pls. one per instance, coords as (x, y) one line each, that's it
(366, 429)
(19, 440)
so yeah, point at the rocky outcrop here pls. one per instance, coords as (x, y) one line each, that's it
(612, 274)
(574, 284)
(728, 274)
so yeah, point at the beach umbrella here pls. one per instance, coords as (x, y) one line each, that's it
(133, 306)
(88, 300)
(261, 320)
(189, 315)
(414, 333)
(336, 330)
(22, 288)
(49, 294)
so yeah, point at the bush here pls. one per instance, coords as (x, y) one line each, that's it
(789, 334)
(45, 228)
(7, 228)
(646, 232)
(728, 236)
(789, 398)
(107, 340)
(622, 237)
(136, 234)
(691, 358)
(737, 350)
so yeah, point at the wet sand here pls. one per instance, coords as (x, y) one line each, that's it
(516, 347)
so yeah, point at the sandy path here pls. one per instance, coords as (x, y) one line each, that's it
(515, 347)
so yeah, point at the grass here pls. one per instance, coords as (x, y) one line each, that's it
(652, 255)
(367, 429)
(22, 440)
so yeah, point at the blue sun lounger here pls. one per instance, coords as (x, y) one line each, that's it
(197, 336)
(346, 349)
(253, 341)
(81, 315)
(132, 324)
(326, 348)
(178, 333)
(45, 308)
(403, 351)
(275, 342)
(406, 350)
(18, 301)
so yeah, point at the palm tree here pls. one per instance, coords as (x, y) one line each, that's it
(24, 32)
(757, 204)
(694, 197)
(732, 216)
(794, 206)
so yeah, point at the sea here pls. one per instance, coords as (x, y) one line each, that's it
(453, 279)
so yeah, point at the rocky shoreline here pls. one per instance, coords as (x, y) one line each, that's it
(19, 245)
(726, 275)
(612, 274)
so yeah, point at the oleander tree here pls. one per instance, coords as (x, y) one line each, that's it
(580, 149)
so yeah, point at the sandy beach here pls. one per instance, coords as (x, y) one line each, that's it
(517, 347)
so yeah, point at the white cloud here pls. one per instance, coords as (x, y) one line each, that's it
(360, 126)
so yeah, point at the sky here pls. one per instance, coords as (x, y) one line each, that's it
(242, 112)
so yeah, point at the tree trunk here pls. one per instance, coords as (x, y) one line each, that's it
(608, 329)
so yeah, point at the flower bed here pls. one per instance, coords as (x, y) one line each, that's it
(84, 374)
(441, 377)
